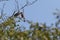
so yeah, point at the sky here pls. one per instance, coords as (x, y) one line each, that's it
(41, 11)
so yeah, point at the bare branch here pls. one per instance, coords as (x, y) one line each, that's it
(15, 8)
(17, 4)
(2, 10)
(23, 6)
(19, 13)
(28, 4)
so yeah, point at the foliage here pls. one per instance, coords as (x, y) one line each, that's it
(36, 32)
(9, 30)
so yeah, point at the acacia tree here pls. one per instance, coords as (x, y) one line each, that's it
(7, 27)
(37, 31)
(15, 13)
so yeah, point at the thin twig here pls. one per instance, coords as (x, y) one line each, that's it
(28, 4)
(17, 4)
(2, 11)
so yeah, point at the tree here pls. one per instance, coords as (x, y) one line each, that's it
(7, 27)
(9, 30)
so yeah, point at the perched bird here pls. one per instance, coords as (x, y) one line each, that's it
(20, 15)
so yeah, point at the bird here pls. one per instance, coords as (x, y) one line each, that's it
(20, 15)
